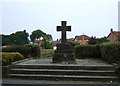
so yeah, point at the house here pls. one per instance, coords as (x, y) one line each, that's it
(54, 44)
(113, 35)
(82, 39)
(38, 42)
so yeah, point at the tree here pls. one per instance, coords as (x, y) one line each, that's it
(45, 44)
(102, 40)
(92, 40)
(18, 38)
(37, 34)
(5, 39)
(49, 37)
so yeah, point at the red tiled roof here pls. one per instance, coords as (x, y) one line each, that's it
(117, 33)
(81, 37)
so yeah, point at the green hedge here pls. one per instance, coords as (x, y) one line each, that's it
(35, 50)
(87, 51)
(8, 57)
(26, 50)
(110, 51)
(73, 43)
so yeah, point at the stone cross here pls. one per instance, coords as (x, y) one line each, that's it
(63, 29)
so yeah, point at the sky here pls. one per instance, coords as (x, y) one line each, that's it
(89, 17)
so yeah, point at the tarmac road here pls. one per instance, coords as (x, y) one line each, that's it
(14, 82)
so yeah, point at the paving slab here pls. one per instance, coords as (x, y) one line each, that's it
(82, 62)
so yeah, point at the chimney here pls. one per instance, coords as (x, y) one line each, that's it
(111, 30)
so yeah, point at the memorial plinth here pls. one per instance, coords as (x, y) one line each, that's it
(64, 52)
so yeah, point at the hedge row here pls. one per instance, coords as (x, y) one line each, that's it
(110, 51)
(87, 51)
(26, 50)
(8, 57)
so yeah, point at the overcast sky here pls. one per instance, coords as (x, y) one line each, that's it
(90, 17)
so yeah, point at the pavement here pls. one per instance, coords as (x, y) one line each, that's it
(82, 62)
(17, 82)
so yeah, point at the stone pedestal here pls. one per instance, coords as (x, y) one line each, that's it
(64, 53)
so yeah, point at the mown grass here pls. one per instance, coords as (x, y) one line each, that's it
(47, 52)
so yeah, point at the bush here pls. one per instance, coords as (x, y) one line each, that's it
(35, 51)
(26, 50)
(73, 43)
(21, 49)
(87, 51)
(110, 51)
(8, 57)
(45, 44)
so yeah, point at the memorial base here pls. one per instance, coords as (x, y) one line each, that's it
(64, 53)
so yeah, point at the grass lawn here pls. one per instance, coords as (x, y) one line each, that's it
(47, 52)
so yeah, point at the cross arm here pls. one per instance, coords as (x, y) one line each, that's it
(68, 28)
(59, 28)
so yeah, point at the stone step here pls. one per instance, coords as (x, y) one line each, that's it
(66, 67)
(64, 77)
(64, 72)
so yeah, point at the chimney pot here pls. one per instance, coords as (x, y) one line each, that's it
(111, 30)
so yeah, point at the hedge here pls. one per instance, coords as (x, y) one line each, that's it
(87, 51)
(26, 50)
(8, 57)
(35, 50)
(110, 51)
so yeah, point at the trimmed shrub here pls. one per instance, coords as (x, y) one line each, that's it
(110, 51)
(8, 57)
(87, 51)
(26, 50)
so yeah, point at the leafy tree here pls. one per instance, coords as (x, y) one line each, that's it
(45, 44)
(49, 37)
(102, 40)
(92, 41)
(37, 34)
(18, 38)
(6, 39)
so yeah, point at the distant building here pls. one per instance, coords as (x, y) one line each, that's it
(54, 44)
(82, 39)
(37, 42)
(113, 35)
